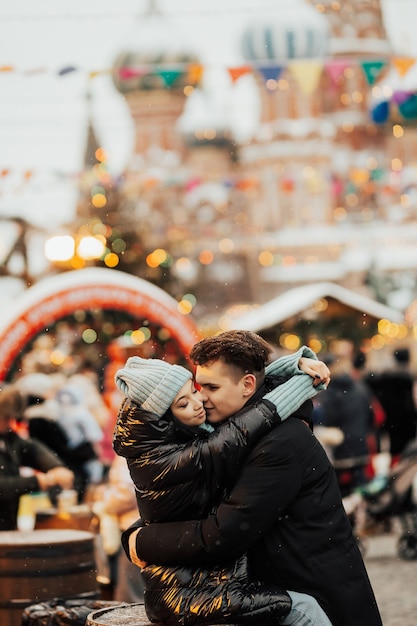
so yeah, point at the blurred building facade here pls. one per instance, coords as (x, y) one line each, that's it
(322, 191)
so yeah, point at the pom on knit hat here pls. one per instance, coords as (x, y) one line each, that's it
(151, 383)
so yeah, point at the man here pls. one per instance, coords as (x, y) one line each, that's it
(285, 509)
(16, 452)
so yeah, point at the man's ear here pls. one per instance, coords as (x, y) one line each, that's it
(249, 384)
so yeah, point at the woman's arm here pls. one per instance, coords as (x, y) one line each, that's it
(288, 365)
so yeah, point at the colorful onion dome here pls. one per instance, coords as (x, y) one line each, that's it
(157, 56)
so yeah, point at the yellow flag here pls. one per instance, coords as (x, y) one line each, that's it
(307, 73)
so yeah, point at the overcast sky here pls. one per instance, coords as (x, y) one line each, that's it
(43, 115)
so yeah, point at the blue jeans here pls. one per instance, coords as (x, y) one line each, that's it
(305, 611)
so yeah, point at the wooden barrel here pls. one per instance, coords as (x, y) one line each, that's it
(42, 565)
(122, 615)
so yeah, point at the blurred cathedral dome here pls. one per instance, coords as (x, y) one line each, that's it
(155, 56)
(299, 32)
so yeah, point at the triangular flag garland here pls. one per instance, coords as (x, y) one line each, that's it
(360, 180)
(335, 68)
(306, 72)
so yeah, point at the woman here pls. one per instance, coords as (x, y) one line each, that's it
(181, 466)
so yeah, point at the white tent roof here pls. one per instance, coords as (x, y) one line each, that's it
(299, 299)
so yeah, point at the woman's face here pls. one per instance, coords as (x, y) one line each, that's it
(188, 405)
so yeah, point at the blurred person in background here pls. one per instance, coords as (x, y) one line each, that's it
(17, 453)
(394, 388)
(88, 383)
(46, 421)
(116, 507)
(359, 373)
(83, 434)
(347, 405)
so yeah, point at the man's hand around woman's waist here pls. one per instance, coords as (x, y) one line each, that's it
(132, 549)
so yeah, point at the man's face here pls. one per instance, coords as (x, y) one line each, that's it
(223, 392)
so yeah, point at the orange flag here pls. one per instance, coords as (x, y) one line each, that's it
(195, 73)
(403, 64)
(236, 72)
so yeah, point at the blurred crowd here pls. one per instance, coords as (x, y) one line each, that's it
(367, 417)
(55, 439)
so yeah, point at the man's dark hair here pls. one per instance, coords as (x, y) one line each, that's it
(244, 351)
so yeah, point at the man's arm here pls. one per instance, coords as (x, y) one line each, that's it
(268, 483)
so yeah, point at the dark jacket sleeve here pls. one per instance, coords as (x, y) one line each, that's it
(36, 455)
(15, 486)
(24, 453)
(176, 480)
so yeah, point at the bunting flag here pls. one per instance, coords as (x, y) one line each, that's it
(398, 97)
(336, 68)
(372, 70)
(195, 73)
(236, 72)
(169, 76)
(307, 74)
(126, 73)
(408, 108)
(67, 70)
(270, 72)
(380, 113)
(95, 73)
(403, 64)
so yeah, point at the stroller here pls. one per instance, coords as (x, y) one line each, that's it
(371, 509)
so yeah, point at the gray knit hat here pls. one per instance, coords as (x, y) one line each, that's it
(151, 383)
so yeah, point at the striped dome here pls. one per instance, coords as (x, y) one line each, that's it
(298, 32)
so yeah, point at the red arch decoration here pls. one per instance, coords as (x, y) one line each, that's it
(55, 297)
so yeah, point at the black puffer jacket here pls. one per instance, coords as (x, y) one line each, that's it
(180, 472)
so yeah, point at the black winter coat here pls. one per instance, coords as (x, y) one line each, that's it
(347, 405)
(394, 390)
(286, 512)
(15, 453)
(179, 473)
